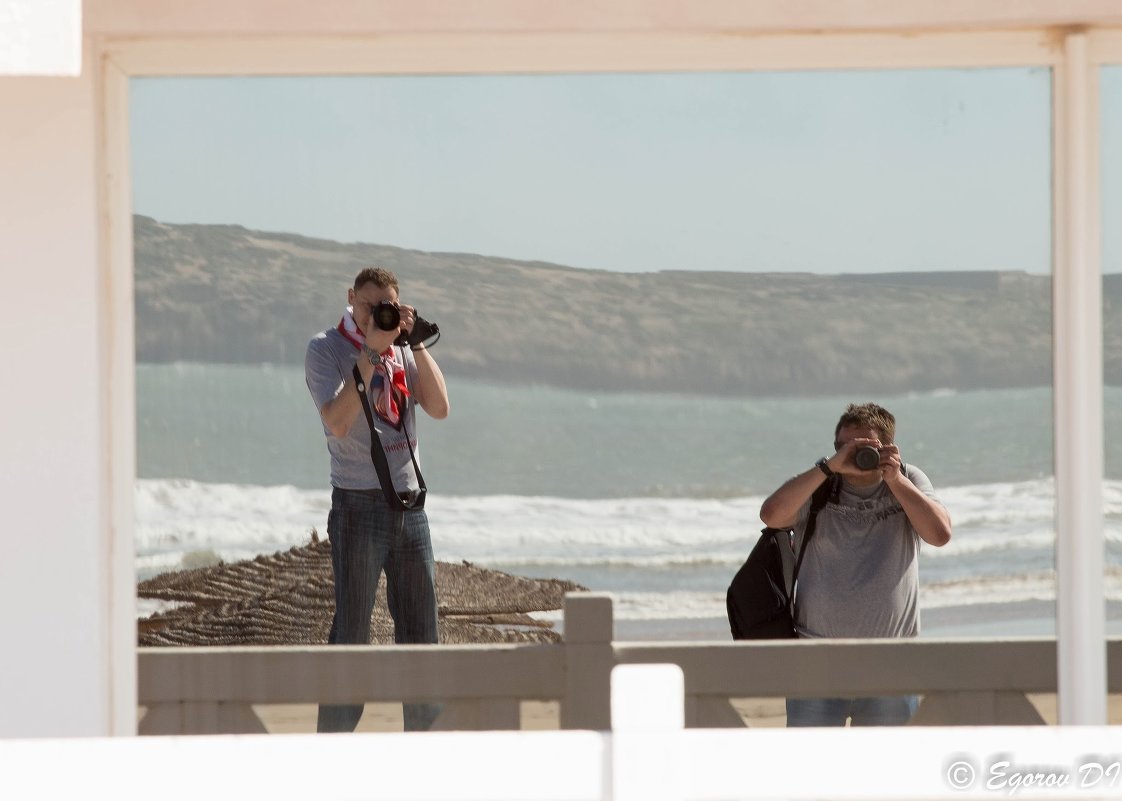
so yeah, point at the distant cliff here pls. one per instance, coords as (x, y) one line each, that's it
(227, 294)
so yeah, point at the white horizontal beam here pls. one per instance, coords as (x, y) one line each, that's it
(853, 667)
(490, 766)
(959, 763)
(339, 674)
(892, 764)
(1104, 46)
(350, 673)
(581, 52)
(253, 17)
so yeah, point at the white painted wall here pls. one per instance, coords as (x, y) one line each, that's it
(40, 37)
(54, 585)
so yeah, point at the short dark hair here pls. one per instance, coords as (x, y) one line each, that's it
(378, 276)
(869, 415)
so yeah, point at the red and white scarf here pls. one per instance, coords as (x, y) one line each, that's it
(389, 373)
(349, 328)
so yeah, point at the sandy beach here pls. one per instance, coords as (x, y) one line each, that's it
(545, 715)
(536, 716)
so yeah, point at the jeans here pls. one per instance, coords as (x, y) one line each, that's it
(367, 537)
(887, 710)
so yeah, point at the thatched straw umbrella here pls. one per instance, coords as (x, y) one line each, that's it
(287, 598)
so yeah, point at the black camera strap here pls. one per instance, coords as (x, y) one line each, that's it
(827, 491)
(412, 500)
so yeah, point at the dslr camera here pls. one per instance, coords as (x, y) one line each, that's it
(387, 316)
(866, 457)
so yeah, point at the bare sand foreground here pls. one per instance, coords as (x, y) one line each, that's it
(538, 715)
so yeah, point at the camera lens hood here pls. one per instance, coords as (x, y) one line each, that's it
(866, 457)
(387, 316)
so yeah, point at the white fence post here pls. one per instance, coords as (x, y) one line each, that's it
(648, 718)
(588, 661)
(1078, 392)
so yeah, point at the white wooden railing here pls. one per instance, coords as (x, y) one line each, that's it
(649, 755)
(964, 682)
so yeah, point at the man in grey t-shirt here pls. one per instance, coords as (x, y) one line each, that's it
(367, 534)
(860, 574)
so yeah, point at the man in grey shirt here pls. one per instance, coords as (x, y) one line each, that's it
(860, 574)
(367, 534)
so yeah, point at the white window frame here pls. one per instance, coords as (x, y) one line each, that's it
(1073, 56)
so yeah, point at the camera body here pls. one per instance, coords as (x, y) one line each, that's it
(866, 457)
(386, 315)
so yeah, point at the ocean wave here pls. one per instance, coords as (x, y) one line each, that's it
(1040, 541)
(178, 517)
(1036, 586)
(687, 549)
(1032, 586)
(658, 606)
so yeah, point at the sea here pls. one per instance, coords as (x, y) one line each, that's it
(654, 498)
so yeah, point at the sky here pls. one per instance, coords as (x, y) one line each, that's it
(863, 171)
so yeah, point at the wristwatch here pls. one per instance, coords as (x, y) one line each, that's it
(825, 468)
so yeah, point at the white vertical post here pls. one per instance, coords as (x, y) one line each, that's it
(1078, 393)
(589, 628)
(118, 369)
(648, 719)
(56, 674)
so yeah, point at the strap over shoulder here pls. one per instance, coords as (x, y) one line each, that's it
(411, 500)
(827, 491)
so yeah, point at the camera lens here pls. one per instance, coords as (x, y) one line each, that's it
(386, 316)
(866, 457)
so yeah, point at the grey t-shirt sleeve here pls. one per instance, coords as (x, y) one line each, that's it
(804, 513)
(922, 482)
(322, 371)
(411, 371)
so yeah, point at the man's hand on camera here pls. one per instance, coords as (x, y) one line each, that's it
(408, 318)
(843, 462)
(890, 464)
(378, 340)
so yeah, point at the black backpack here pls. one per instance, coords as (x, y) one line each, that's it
(759, 606)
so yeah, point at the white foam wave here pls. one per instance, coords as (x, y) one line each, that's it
(178, 518)
(1034, 586)
(181, 522)
(175, 517)
(657, 606)
(1037, 586)
(997, 544)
